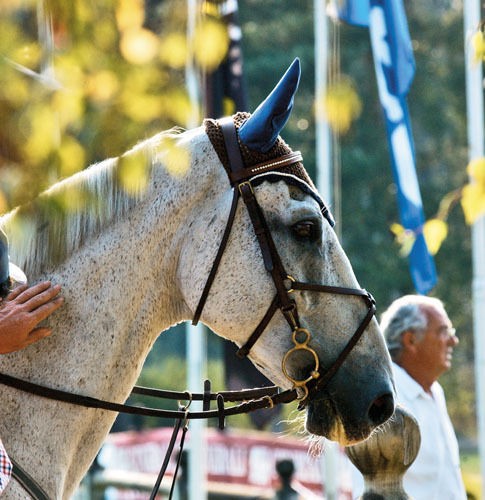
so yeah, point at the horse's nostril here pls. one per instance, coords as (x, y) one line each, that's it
(381, 409)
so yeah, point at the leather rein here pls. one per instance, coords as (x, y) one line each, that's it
(242, 180)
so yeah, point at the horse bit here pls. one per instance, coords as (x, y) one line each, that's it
(242, 180)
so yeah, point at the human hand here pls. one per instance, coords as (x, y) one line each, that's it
(22, 310)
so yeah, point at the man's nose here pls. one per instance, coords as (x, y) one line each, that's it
(453, 340)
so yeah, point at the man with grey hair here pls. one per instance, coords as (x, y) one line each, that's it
(420, 339)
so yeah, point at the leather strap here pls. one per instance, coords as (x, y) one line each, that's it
(27, 482)
(267, 166)
(217, 259)
(265, 400)
(166, 460)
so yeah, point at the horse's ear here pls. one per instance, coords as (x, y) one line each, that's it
(262, 128)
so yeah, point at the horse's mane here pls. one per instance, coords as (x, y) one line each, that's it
(45, 231)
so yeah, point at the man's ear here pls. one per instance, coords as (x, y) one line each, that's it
(408, 339)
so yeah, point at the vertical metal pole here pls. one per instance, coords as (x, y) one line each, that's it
(196, 372)
(474, 99)
(324, 186)
(195, 335)
(191, 78)
(322, 131)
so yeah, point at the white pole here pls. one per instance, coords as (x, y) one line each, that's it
(322, 131)
(191, 78)
(195, 335)
(324, 186)
(196, 373)
(474, 93)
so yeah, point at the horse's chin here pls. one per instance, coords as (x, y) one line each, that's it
(323, 420)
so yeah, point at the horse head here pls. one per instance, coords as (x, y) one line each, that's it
(324, 342)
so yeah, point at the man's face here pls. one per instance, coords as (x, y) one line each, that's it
(435, 349)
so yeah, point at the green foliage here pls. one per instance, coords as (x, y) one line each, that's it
(95, 81)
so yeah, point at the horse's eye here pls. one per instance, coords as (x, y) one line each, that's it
(306, 229)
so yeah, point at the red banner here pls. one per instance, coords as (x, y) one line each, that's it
(236, 457)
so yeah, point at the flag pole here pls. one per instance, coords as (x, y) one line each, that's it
(324, 185)
(475, 116)
(195, 335)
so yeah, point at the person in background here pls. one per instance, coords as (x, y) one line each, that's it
(285, 470)
(22, 308)
(421, 339)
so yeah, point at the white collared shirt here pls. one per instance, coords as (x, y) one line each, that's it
(435, 474)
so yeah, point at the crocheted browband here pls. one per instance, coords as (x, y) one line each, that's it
(251, 157)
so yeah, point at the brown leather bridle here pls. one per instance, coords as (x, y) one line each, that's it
(242, 180)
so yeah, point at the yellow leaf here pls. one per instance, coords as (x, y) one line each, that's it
(105, 35)
(173, 50)
(476, 170)
(211, 42)
(228, 106)
(72, 156)
(142, 107)
(397, 229)
(40, 125)
(133, 172)
(69, 106)
(3, 203)
(102, 86)
(435, 232)
(405, 238)
(473, 202)
(177, 106)
(15, 89)
(175, 158)
(28, 55)
(478, 45)
(341, 105)
(139, 45)
(130, 14)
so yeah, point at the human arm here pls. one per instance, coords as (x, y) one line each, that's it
(22, 310)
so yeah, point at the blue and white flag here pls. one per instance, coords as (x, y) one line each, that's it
(354, 12)
(394, 66)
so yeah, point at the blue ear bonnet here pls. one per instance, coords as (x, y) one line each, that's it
(259, 140)
(265, 124)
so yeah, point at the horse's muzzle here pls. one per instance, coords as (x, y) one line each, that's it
(349, 421)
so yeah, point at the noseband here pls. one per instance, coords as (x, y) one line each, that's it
(242, 180)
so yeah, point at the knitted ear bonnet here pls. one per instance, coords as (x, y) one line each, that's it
(293, 174)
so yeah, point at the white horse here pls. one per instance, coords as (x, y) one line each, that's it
(133, 264)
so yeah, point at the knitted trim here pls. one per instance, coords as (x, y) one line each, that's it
(251, 157)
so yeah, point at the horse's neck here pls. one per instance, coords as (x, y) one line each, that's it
(120, 291)
(120, 286)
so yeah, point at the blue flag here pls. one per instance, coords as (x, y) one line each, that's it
(354, 12)
(394, 66)
(388, 19)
